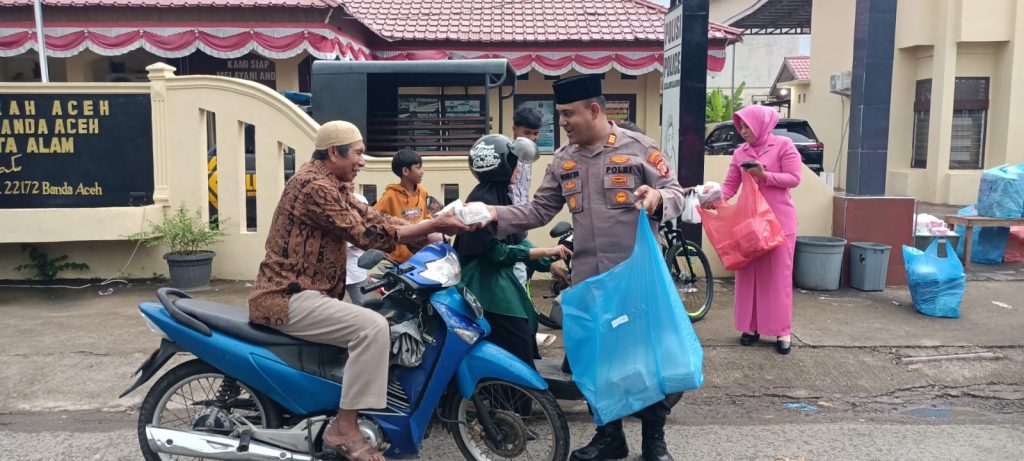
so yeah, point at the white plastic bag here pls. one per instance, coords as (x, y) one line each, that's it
(690, 204)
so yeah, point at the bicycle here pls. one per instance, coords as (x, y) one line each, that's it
(690, 271)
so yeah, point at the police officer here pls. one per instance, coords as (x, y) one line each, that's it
(603, 175)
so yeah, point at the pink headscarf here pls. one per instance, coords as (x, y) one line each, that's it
(760, 119)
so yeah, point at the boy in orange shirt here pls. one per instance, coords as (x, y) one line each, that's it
(406, 200)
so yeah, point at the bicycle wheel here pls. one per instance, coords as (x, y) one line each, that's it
(692, 276)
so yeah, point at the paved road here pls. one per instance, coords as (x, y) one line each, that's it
(761, 435)
(65, 355)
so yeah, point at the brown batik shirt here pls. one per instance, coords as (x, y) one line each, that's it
(307, 244)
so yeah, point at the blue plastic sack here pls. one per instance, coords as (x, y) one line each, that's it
(988, 244)
(627, 335)
(1001, 193)
(936, 283)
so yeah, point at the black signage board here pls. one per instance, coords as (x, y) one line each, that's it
(75, 150)
(252, 67)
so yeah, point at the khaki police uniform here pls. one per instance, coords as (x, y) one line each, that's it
(597, 185)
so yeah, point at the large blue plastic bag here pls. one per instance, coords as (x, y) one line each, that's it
(936, 283)
(627, 336)
(988, 244)
(1001, 193)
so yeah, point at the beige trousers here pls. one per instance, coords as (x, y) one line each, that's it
(316, 317)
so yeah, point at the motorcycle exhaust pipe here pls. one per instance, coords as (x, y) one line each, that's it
(212, 446)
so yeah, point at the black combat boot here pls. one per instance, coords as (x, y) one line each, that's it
(653, 445)
(608, 443)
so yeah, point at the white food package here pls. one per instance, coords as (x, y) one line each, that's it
(710, 192)
(474, 213)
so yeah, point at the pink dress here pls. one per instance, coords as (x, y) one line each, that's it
(764, 288)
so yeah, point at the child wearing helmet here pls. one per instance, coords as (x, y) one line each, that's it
(487, 262)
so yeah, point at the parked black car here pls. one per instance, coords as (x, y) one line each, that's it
(724, 139)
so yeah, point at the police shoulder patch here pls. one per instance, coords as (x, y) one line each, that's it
(655, 157)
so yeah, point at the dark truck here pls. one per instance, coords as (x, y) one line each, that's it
(374, 96)
(450, 110)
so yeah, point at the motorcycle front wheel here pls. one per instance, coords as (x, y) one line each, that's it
(529, 423)
(179, 397)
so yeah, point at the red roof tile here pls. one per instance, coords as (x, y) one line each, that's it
(181, 3)
(799, 66)
(519, 21)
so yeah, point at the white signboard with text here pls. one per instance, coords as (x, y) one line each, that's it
(670, 86)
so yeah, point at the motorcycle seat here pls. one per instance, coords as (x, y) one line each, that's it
(235, 322)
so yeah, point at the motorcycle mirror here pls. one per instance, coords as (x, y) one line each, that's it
(560, 229)
(371, 258)
(526, 150)
(433, 205)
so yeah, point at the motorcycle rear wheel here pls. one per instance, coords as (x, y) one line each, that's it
(542, 435)
(180, 394)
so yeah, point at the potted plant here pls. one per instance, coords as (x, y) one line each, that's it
(188, 236)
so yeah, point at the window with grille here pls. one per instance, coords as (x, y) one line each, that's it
(970, 117)
(970, 114)
(922, 110)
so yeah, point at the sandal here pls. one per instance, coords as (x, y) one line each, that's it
(352, 450)
(545, 340)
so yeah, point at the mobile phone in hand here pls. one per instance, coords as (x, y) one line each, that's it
(748, 164)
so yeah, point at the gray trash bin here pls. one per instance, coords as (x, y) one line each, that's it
(869, 264)
(818, 263)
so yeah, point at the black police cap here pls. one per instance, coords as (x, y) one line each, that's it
(578, 88)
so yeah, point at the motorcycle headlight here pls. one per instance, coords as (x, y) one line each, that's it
(445, 271)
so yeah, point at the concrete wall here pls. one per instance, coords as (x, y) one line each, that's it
(180, 109)
(180, 106)
(831, 53)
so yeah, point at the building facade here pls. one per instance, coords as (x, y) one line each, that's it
(957, 75)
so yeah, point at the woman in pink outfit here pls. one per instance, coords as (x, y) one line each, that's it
(764, 288)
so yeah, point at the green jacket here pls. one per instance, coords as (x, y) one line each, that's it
(490, 277)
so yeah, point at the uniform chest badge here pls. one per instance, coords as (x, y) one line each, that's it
(572, 202)
(620, 159)
(621, 197)
(620, 180)
(568, 165)
(611, 139)
(569, 185)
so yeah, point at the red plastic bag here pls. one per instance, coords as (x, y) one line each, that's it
(1015, 246)
(745, 230)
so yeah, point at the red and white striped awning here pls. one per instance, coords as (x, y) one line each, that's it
(626, 61)
(232, 40)
(227, 40)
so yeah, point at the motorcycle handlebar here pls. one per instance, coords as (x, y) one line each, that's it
(373, 286)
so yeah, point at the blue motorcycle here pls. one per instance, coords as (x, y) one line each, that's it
(254, 393)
